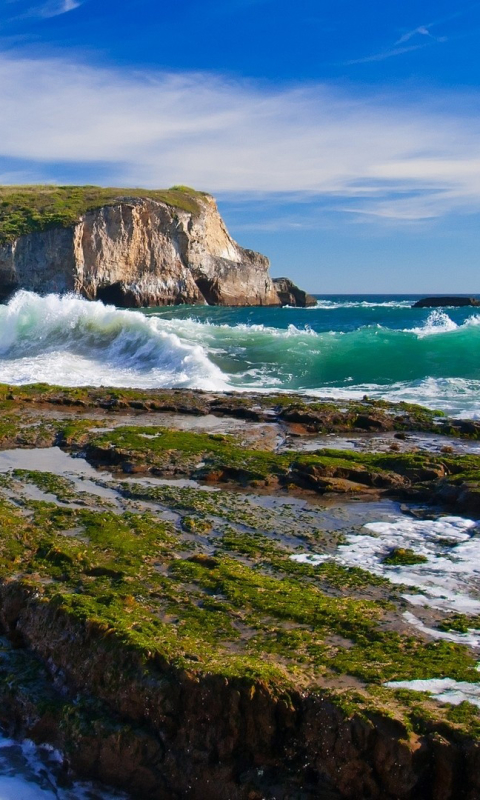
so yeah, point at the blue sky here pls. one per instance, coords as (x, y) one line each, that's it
(340, 138)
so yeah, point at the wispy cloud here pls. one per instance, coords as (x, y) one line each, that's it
(57, 7)
(45, 10)
(388, 155)
(384, 54)
(420, 36)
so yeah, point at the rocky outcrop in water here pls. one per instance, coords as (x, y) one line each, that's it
(437, 302)
(138, 252)
(291, 295)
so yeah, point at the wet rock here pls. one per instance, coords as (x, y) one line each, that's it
(372, 422)
(466, 427)
(131, 468)
(209, 562)
(468, 500)
(337, 485)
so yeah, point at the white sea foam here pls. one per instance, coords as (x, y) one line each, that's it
(437, 322)
(459, 397)
(444, 689)
(196, 328)
(28, 772)
(473, 320)
(449, 579)
(471, 638)
(333, 304)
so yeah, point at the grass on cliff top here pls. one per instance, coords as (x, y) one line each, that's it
(27, 209)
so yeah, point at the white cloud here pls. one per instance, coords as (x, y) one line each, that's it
(388, 155)
(422, 30)
(384, 54)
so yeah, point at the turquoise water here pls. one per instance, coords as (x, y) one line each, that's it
(346, 346)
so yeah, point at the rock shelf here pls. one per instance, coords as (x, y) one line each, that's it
(187, 610)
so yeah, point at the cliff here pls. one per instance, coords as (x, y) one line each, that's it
(142, 249)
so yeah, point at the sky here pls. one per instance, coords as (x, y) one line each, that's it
(340, 138)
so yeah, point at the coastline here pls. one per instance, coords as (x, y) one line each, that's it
(184, 609)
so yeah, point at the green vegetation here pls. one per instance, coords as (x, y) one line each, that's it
(403, 556)
(203, 581)
(127, 575)
(214, 457)
(185, 452)
(26, 209)
(61, 487)
(461, 623)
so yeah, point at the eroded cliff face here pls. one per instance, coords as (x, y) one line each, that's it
(140, 252)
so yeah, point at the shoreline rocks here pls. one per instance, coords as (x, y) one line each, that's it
(167, 640)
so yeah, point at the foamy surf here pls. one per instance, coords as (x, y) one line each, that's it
(332, 305)
(446, 690)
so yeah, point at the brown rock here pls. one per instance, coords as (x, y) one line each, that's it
(290, 295)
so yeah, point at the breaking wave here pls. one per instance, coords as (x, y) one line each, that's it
(28, 772)
(69, 341)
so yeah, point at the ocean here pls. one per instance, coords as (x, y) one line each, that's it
(344, 347)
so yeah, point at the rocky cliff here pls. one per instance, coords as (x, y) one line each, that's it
(138, 251)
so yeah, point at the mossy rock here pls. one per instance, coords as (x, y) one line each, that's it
(403, 556)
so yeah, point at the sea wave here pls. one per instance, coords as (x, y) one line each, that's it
(73, 342)
(437, 322)
(70, 341)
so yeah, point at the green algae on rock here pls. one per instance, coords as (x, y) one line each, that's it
(173, 632)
